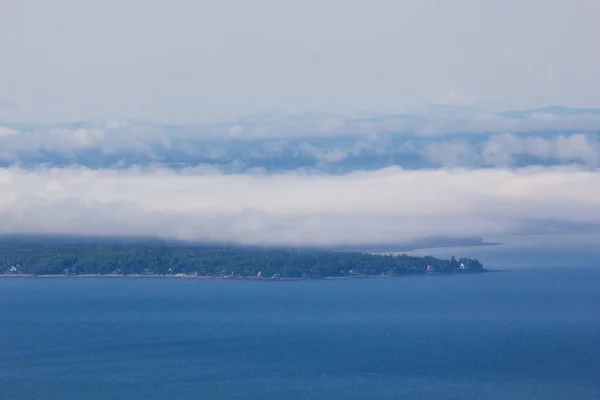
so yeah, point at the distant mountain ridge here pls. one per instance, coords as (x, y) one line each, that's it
(259, 119)
(554, 110)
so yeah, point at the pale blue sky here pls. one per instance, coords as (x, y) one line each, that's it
(193, 60)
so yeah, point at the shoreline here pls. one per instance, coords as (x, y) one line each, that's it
(245, 278)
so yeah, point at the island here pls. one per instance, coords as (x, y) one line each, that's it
(106, 257)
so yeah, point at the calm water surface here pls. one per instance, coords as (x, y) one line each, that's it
(523, 334)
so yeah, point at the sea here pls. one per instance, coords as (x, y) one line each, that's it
(525, 333)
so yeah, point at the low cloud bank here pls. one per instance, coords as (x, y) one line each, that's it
(507, 149)
(389, 205)
(325, 143)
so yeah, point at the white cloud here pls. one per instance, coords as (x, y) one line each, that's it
(324, 156)
(334, 154)
(455, 97)
(475, 140)
(451, 153)
(60, 140)
(5, 132)
(387, 205)
(578, 147)
(501, 150)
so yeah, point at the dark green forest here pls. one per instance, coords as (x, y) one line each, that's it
(61, 257)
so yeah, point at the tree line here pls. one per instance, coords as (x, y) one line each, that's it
(103, 257)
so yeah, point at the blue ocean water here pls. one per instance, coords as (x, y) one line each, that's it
(524, 334)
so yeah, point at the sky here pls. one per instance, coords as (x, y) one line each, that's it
(189, 61)
(302, 122)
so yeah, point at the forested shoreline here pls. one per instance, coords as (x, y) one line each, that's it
(41, 257)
